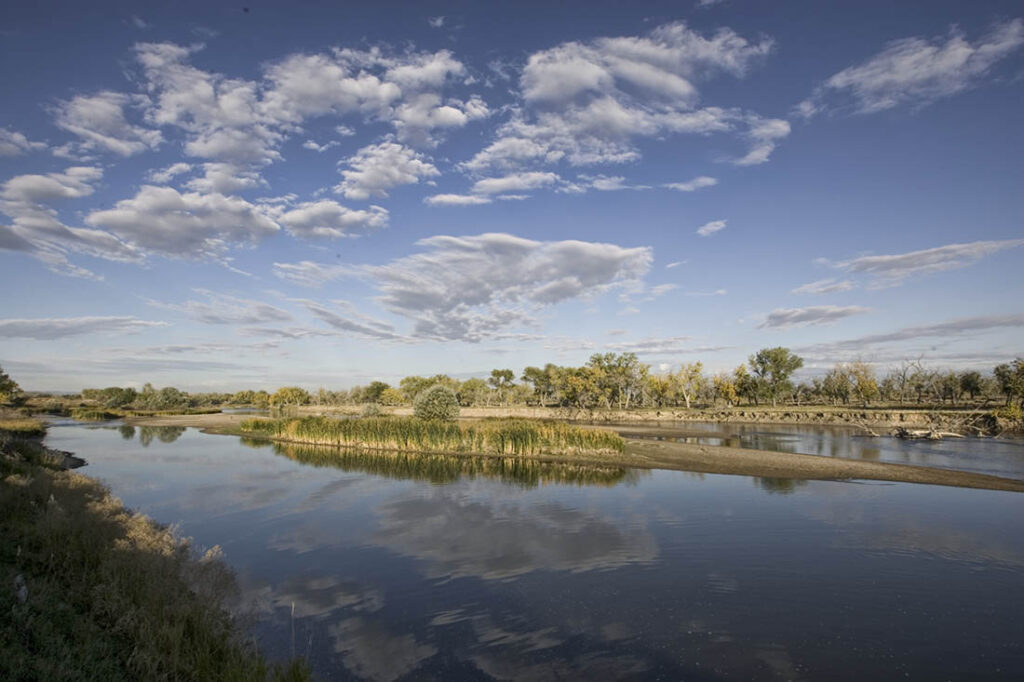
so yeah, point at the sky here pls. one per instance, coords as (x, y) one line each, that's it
(219, 197)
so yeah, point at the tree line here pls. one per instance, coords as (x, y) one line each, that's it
(621, 381)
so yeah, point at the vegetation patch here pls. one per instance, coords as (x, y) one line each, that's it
(22, 427)
(86, 414)
(517, 437)
(102, 593)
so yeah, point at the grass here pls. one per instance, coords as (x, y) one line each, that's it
(89, 414)
(111, 595)
(22, 427)
(441, 469)
(515, 437)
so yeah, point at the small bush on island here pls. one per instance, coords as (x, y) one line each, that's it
(488, 437)
(437, 402)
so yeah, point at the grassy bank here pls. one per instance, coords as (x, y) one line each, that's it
(21, 427)
(102, 593)
(516, 437)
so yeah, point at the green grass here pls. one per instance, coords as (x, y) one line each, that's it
(22, 427)
(516, 437)
(111, 595)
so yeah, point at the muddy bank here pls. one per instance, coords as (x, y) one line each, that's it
(699, 458)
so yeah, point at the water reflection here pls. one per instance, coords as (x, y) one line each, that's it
(443, 469)
(781, 486)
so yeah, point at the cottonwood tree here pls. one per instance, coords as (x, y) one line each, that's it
(10, 392)
(725, 388)
(689, 381)
(290, 395)
(772, 367)
(865, 386)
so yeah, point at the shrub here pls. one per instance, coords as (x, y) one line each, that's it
(437, 402)
(371, 410)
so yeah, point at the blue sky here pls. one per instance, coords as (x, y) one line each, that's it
(321, 194)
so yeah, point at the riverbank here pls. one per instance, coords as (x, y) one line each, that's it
(91, 590)
(645, 454)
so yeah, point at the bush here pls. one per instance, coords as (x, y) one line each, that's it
(437, 402)
(371, 410)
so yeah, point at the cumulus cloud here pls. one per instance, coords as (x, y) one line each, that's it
(477, 287)
(708, 229)
(13, 143)
(893, 269)
(162, 176)
(916, 71)
(35, 226)
(327, 218)
(377, 168)
(781, 318)
(456, 200)
(43, 329)
(585, 102)
(99, 121)
(692, 185)
(824, 286)
(515, 182)
(219, 308)
(165, 221)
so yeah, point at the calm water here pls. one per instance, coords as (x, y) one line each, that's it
(999, 457)
(449, 569)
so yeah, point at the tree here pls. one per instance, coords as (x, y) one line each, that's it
(501, 380)
(773, 367)
(10, 392)
(473, 392)
(290, 395)
(970, 383)
(392, 397)
(865, 386)
(542, 380)
(371, 394)
(1011, 380)
(725, 389)
(746, 385)
(689, 381)
(620, 377)
(437, 402)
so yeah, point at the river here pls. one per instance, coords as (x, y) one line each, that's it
(441, 568)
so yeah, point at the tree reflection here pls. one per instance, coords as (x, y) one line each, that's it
(164, 434)
(127, 432)
(441, 469)
(780, 486)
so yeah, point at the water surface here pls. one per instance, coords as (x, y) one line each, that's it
(441, 569)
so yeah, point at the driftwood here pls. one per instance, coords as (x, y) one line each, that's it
(926, 434)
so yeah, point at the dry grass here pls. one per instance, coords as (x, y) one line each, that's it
(22, 427)
(110, 594)
(515, 437)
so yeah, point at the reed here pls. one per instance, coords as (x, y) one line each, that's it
(514, 437)
(87, 414)
(22, 427)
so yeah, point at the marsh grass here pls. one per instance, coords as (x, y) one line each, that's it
(441, 469)
(514, 437)
(89, 414)
(111, 595)
(22, 427)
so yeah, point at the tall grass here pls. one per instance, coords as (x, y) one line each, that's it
(441, 469)
(110, 595)
(22, 427)
(516, 437)
(89, 414)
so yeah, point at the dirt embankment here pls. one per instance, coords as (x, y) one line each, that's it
(700, 458)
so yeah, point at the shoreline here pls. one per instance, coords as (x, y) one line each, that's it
(707, 459)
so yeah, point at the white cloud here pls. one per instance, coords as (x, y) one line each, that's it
(671, 345)
(892, 269)
(346, 319)
(165, 175)
(516, 182)
(13, 143)
(377, 168)
(456, 200)
(824, 286)
(692, 185)
(708, 229)
(315, 146)
(704, 294)
(44, 329)
(584, 103)
(99, 121)
(219, 308)
(764, 135)
(478, 287)
(675, 264)
(781, 318)
(949, 329)
(916, 71)
(326, 218)
(165, 221)
(435, 22)
(309, 274)
(225, 178)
